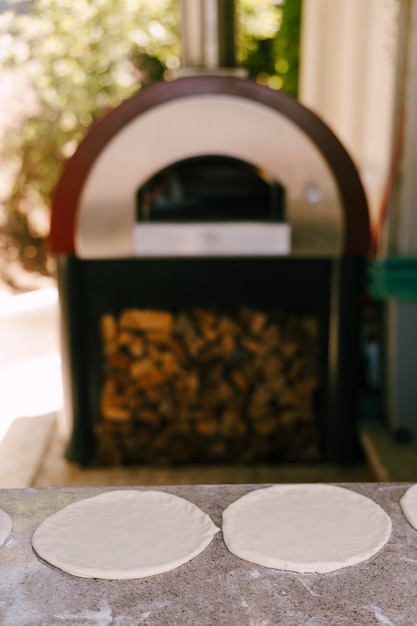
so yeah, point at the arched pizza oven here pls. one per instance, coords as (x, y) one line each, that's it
(210, 209)
(191, 118)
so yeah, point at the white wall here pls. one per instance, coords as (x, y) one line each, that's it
(347, 77)
(401, 229)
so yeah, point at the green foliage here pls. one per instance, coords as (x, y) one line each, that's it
(83, 57)
(269, 40)
(286, 49)
(79, 57)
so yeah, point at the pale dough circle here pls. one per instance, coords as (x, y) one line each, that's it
(5, 526)
(124, 534)
(305, 527)
(408, 504)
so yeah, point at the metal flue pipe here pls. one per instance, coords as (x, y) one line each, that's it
(208, 37)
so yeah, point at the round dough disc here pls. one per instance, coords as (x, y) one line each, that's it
(124, 534)
(5, 526)
(305, 528)
(408, 504)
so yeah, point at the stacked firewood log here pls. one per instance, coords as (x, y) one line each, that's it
(202, 385)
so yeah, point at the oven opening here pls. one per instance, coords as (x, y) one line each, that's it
(211, 189)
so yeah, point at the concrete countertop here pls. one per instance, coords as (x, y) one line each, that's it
(215, 587)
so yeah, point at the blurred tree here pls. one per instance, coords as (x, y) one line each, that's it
(269, 42)
(82, 57)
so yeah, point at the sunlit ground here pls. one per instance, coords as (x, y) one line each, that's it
(30, 366)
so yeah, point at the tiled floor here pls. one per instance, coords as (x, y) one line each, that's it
(32, 452)
(30, 378)
(33, 455)
(55, 471)
(385, 461)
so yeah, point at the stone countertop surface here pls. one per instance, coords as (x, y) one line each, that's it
(213, 588)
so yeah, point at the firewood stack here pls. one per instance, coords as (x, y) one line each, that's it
(203, 385)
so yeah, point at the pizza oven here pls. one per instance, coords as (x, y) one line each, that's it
(210, 235)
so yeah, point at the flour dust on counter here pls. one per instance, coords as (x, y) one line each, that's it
(408, 504)
(124, 534)
(6, 526)
(305, 528)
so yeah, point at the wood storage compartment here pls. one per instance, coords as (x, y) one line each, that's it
(206, 385)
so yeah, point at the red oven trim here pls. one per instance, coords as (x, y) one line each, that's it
(75, 173)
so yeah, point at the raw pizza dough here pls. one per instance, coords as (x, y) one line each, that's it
(305, 528)
(5, 526)
(408, 504)
(124, 534)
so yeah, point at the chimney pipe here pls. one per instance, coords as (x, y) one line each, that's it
(209, 37)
